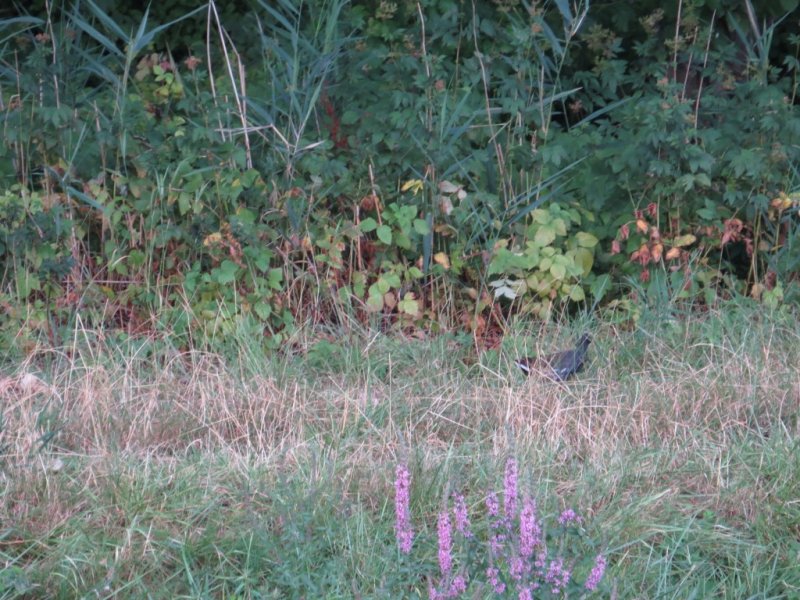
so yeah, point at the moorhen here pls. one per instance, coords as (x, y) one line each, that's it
(559, 366)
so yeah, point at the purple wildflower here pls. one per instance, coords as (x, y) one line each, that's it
(496, 543)
(462, 517)
(403, 531)
(492, 574)
(569, 516)
(459, 586)
(557, 575)
(445, 531)
(516, 568)
(497, 538)
(597, 573)
(492, 505)
(530, 533)
(510, 489)
(525, 594)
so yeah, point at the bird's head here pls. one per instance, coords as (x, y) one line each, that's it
(584, 341)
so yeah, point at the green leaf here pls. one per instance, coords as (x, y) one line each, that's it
(584, 260)
(421, 227)
(275, 278)
(586, 240)
(349, 117)
(26, 283)
(136, 258)
(184, 203)
(577, 295)
(262, 261)
(545, 264)
(409, 306)
(246, 216)
(359, 284)
(385, 234)
(393, 279)
(262, 309)
(402, 240)
(600, 287)
(541, 216)
(368, 224)
(226, 272)
(558, 270)
(544, 236)
(375, 302)
(703, 180)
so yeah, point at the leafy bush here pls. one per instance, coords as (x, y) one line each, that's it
(367, 163)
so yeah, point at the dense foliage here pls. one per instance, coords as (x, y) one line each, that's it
(414, 165)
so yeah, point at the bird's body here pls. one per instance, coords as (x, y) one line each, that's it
(559, 366)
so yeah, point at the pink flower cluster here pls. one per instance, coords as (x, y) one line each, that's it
(597, 573)
(453, 585)
(510, 489)
(462, 516)
(557, 575)
(516, 542)
(530, 532)
(569, 516)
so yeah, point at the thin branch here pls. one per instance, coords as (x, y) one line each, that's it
(223, 35)
(702, 73)
(501, 162)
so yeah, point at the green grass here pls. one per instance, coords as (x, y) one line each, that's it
(132, 470)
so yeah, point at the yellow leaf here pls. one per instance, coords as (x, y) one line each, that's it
(501, 243)
(415, 185)
(409, 305)
(585, 260)
(440, 258)
(389, 300)
(577, 294)
(684, 240)
(212, 239)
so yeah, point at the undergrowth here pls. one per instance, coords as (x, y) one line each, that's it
(402, 167)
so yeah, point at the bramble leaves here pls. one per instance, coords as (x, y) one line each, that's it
(302, 181)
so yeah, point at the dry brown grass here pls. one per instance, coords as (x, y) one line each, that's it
(650, 436)
(196, 402)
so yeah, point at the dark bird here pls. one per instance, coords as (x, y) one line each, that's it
(559, 366)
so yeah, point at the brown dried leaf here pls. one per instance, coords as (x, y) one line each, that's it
(657, 250)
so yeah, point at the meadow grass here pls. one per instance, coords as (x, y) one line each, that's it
(130, 469)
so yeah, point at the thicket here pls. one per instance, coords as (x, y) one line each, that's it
(419, 166)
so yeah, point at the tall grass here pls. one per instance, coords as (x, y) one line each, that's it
(132, 470)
